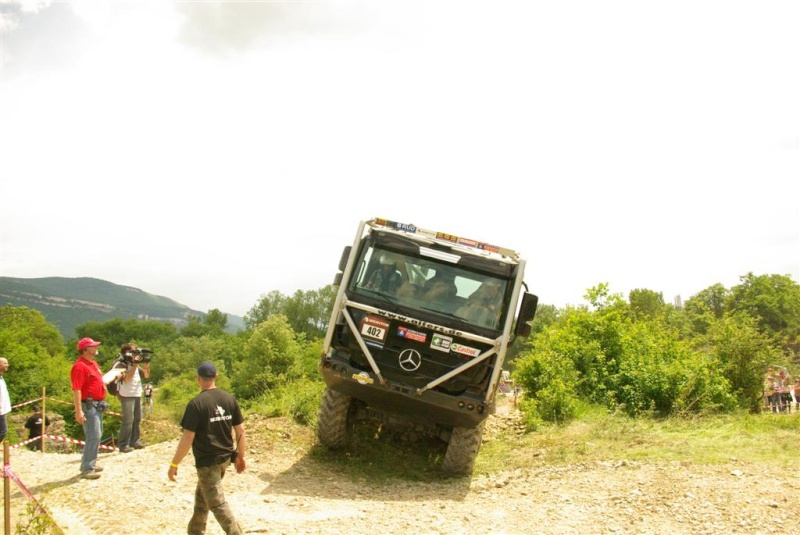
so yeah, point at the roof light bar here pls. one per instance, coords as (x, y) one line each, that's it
(442, 236)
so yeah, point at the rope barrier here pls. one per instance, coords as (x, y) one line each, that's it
(80, 442)
(73, 440)
(70, 403)
(9, 474)
(163, 424)
(23, 443)
(60, 439)
(59, 401)
(25, 403)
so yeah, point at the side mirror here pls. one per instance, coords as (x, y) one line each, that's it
(527, 311)
(344, 257)
(337, 279)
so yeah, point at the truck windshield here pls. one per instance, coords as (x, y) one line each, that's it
(431, 284)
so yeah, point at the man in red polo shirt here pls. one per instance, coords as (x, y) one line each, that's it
(88, 397)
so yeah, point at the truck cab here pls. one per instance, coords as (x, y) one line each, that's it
(418, 334)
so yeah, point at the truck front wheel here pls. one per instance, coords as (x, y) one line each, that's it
(462, 450)
(333, 420)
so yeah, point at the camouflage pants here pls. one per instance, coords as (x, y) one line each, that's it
(209, 497)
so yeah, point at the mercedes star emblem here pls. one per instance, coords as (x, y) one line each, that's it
(410, 360)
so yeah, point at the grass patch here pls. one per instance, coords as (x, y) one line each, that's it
(766, 439)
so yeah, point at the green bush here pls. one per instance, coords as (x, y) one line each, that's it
(298, 400)
(549, 383)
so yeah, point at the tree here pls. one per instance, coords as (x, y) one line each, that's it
(213, 324)
(608, 356)
(744, 354)
(705, 307)
(195, 328)
(269, 354)
(181, 356)
(270, 304)
(546, 315)
(646, 304)
(113, 333)
(36, 354)
(774, 300)
(216, 319)
(307, 312)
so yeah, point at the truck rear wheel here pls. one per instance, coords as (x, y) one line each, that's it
(333, 420)
(462, 450)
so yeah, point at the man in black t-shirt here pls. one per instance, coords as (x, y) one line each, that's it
(208, 424)
(34, 427)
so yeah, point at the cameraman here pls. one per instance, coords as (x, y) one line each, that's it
(130, 395)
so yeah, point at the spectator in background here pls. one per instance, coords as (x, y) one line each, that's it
(148, 397)
(5, 400)
(89, 399)
(34, 426)
(130, 396)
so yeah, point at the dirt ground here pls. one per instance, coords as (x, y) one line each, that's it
(284, 491)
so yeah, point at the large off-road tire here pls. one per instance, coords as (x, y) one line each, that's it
(333, 420)
(462, 450)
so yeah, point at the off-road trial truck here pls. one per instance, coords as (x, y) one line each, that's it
(418, 334)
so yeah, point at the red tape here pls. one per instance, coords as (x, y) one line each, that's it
(42, 511)
(81, 442)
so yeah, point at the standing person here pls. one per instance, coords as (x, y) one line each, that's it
(88, 397)
(208, 422)
(130, 396)
(5, 400)
(148, 398)
(34, 426)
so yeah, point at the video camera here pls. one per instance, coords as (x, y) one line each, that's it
(129, 358)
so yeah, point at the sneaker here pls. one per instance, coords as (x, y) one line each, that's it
(98, 468)
(139, 445)
(126, 449)
(92, 474)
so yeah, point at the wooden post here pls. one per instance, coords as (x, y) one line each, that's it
(6, 491)
(44, 418)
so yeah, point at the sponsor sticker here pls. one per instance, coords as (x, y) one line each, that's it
(363, 378)
(441, 343)
(445, 236)
(375, 328)
(465, 350)
(411, 334)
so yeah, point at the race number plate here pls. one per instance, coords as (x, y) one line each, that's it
(374, 328)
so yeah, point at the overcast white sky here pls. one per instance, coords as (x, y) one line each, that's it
(212, 152)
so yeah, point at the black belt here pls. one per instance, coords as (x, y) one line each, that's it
(98, 404)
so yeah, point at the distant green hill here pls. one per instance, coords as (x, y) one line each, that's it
(70, 302)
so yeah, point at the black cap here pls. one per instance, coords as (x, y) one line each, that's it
(207, 369)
